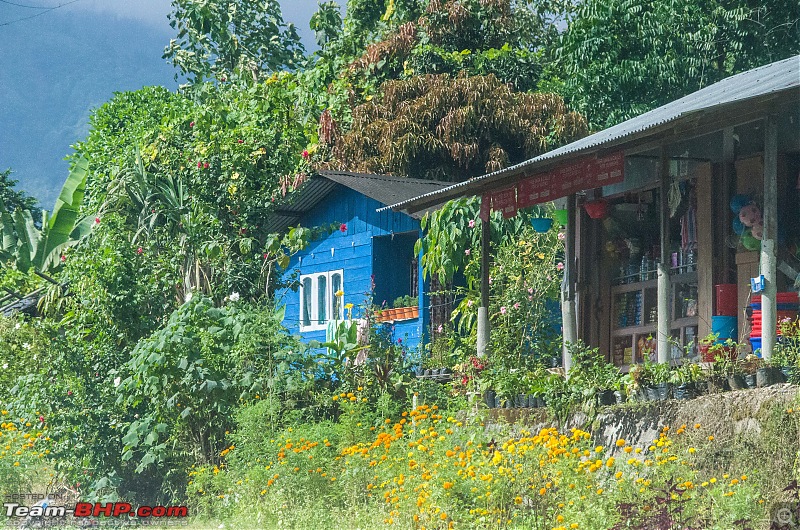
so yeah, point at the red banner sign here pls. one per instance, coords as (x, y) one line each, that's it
(584, 174)
(535, 190)
(609, 169)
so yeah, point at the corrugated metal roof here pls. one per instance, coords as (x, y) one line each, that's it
(759, 82)
(386, 189)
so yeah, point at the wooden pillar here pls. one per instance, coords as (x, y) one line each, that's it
(483, 310)
(728, 264)
(569, 321)
(664, 288)
(769, 316)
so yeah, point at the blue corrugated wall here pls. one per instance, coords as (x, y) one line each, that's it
(351, 251)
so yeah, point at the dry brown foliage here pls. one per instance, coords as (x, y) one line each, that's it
(451, 129)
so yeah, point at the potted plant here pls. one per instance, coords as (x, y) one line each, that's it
(541, 224)
(732, 370)
(656, 381)
(750, 366)
(685, 378)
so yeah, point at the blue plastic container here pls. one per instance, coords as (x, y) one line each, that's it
(541, 224)
(781, 307)
(725, 327)
(755, 342)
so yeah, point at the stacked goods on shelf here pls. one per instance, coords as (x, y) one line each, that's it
(788, 307)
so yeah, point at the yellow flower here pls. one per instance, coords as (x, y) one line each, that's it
(348, 306)
(339, 293)
(620, 442)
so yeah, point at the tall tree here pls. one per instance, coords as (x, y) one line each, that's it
(12, 199)
(448, 128)
(620, 58)
(217, 39)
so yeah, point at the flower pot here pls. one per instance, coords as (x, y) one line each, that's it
(650, 393)
(717, 384)
(509, 404)
(541, 224)
(522, 401)
(428, 372)
(419, 372)
(619, 397)
(597, 209)
(606, 397)
(788, 373)
(414, 312)
(768, 376)
(663, 391)
(736, 382)
(750, 380)
(489, 397)
(560, 217)
(685, 391)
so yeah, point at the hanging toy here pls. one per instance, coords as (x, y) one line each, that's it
(739, 201)
(758, 230)
(738, 226)
(749, 214)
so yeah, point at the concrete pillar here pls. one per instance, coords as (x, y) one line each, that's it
(769, 315)
(569, 322)
(483, 310)
(664, 289)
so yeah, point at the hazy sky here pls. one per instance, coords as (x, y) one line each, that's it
(58, 65)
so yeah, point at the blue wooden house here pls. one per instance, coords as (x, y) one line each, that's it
(369, 260)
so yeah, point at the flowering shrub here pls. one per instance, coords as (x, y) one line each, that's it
(24, 449)
(429, 469)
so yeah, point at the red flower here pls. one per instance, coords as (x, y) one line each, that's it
(63, 258)
(191, 124)
(69, 392)
(241, 141)
(306, 154)
(199, 164)
(139, 250)
(97, 220)
(205, 165)
(343, 228)
(266, 256)
(41, 419)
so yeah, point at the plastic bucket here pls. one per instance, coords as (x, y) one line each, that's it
(756, 344)
(782, 298)
(727, 299)
(725, 326)
(560, 217)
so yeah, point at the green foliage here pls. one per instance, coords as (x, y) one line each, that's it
(223, 39)
(188, 377)
(43, 249)
(620, 58)
(11, 199)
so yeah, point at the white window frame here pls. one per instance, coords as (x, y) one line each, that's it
(330, 295)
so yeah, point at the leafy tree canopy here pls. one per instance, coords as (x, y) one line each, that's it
(446, 128)
(12, 199)
(620, 58)
(217, 39)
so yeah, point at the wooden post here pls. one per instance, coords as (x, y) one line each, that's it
(483, 310)
(769, 316)
(568, 314)
(727, 263)
(664, 288)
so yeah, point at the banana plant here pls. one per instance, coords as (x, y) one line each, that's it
(29, 247)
